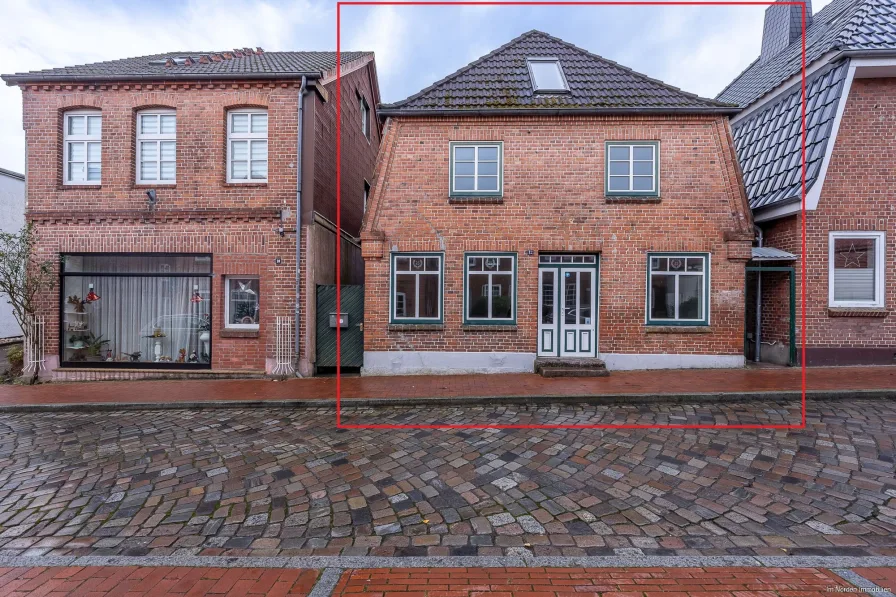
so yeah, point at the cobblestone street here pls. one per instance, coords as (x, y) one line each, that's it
(286, 482)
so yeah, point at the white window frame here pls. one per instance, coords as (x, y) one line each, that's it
(158, 138)
(705, 295)
(238, 326)
(880, 248)
(248, 136)
(476, 146)
(654, 174)
(67, 139)
(393, 294)
(490, 288)
(365, 116)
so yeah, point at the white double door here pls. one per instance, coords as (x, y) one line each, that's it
(567, 311)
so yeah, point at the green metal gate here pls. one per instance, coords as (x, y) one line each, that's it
(351, 321)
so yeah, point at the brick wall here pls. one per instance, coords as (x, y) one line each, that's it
(857, 195)
(554, 201)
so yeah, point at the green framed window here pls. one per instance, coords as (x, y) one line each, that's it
(417, 285)
(477, 168)
(490, 288)
(632, 168)
(678, 288)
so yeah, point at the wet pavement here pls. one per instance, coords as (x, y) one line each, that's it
(287, 482)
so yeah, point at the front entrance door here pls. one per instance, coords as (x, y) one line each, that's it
(567, 305)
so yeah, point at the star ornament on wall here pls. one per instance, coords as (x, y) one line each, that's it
(853, 258)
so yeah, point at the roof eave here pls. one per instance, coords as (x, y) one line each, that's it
(385, 111)
(17, 79)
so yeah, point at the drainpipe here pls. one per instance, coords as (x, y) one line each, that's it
(756, 355)
(302, 91)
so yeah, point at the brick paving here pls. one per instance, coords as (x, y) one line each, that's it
(286, 482)
(589, 582)
(882, 577)
(454, 386)
(134, 581)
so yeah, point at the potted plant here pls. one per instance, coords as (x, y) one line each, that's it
(95, 346)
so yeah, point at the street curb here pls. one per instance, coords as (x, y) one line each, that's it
(521, 561)
(552, 400)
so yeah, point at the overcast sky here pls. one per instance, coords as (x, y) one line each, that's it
(697, 48)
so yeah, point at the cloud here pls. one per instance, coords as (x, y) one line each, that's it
(383, 29)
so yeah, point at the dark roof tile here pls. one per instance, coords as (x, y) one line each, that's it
(500, 81)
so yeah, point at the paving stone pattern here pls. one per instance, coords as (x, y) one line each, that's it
(590, 582)
(286, 482)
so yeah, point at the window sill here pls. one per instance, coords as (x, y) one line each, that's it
(489, 327)
(79, 187)
(632, 198)
(857, 312)
(154, 185)
(677, 329)
(415, 327)
(245, 185)
(462, 200)
(235, 333)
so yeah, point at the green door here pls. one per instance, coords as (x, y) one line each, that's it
(351, 331)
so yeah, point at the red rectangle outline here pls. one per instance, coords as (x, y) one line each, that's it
(339, 6)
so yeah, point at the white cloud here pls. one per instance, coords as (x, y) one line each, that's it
(383, 29)
(52, 33)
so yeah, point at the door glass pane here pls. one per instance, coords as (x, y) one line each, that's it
(502, 296)
(689, 297)
(547, 297)
(585, 298)
(662, 297)
(429, 295)
(477, 295)
(569, 297)
(405, 299)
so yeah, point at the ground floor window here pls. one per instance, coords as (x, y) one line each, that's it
(417, 287)
(241, 308)
(490, 288)
(856, 269)
(677, 289)
(128, 310)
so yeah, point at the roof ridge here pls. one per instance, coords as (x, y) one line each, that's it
(532, 32)
(461, 70)
(634, 72)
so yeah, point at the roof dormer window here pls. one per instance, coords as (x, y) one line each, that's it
(547, 75)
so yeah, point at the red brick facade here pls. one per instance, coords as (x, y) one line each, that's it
(857, 195)
(554, 201)
(202, 212)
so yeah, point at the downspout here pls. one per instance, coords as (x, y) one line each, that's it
(302, 91)
(756, 355)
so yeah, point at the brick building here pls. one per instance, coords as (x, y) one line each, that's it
(546, 202)
(171, 186)
(850, 179)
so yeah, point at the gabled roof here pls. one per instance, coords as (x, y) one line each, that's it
(229, 64)
(769, 143)
(841, 25)
(500, 82)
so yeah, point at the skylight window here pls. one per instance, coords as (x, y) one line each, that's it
(547, 75)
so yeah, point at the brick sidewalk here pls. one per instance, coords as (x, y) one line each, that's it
(134, 581)
(672, 382)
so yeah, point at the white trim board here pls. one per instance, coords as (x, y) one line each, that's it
(446, 363)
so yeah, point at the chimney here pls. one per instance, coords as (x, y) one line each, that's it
(783, 26)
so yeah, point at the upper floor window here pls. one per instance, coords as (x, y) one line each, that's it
(247, 146)
(365, 117)
(82, 146)
(547, 75)
(856, 269)
(476, 168)
(633, 168)
(156, 147)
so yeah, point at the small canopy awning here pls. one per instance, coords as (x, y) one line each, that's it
(772, 254)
